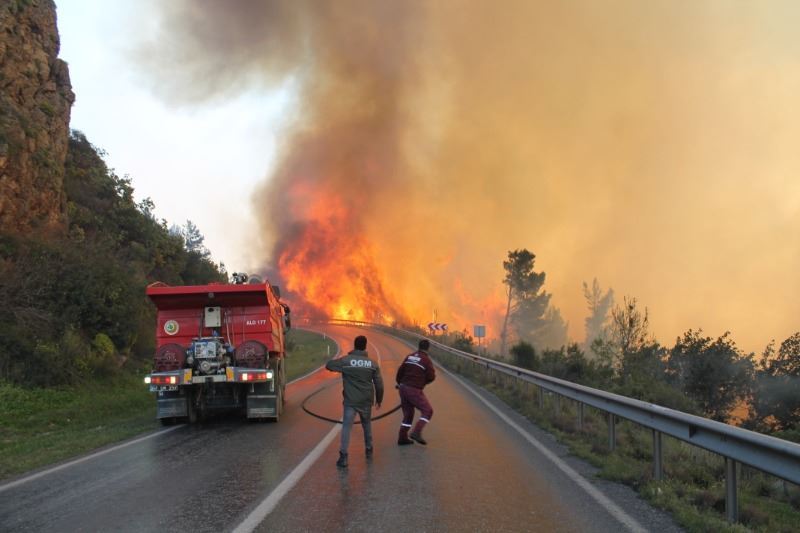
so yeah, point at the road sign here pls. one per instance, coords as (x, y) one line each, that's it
(479, 331)
(437, 326)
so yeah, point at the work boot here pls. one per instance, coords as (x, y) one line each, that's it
(342, 462)
(417, 437)
(402, 437)
(368, 452)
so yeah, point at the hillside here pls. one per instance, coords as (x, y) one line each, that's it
(35, 103)
(76, 250)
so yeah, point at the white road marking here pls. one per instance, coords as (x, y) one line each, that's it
(338, 351)
(273, 499)
(378, 353)
(115, 448)
(624, 518)
(83, 459)
(265, 507)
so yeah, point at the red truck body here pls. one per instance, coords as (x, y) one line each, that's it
(218, 346)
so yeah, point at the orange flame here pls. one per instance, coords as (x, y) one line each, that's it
(330, 266)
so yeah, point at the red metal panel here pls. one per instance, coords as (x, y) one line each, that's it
(249, 312)
(182, 297)
(178, 326)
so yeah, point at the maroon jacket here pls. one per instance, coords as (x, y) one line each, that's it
(416, 370)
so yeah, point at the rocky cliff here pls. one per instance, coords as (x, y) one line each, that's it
(35, 101)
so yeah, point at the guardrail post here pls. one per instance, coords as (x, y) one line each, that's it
(731, 504)
(558, 404)
(580, 416)
(612, 433)
(541, 398)
(658, 466)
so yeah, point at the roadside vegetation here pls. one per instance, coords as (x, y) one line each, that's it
(74, 308)
(307, 351)
(693, 488)
(40, 426)
(78, 332)
(45, 425)
(699, 374)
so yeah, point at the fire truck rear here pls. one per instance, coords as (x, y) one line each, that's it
(218, 347)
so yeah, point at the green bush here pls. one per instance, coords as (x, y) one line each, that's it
(73, 304)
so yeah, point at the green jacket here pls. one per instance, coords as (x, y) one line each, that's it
(361, 377)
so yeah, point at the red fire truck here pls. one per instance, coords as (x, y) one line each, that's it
(219, 347)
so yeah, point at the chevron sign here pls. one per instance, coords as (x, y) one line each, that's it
(437, 326)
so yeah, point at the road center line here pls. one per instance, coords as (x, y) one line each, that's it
(83, 459)
(271, 501)
(624, 518)
(265, 507)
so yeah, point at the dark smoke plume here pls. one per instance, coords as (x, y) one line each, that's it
(649, 144)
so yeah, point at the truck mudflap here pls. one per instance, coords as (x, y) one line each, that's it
(261, 406)
(264, 400)
(171, 406)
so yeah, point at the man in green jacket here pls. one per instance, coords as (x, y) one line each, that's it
(363, 386)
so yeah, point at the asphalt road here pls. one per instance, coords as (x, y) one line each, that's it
(484, 469)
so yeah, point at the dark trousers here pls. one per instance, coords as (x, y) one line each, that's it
(347, 425)
(412, 398)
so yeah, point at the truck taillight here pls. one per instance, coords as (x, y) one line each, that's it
(164, 380)
(256, 376)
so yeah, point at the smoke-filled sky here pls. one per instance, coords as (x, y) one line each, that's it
(652, 145)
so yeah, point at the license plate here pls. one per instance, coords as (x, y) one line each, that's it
(162, 388)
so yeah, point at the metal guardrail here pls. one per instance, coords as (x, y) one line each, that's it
(737, 445)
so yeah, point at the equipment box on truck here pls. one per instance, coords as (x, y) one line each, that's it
(218, 347)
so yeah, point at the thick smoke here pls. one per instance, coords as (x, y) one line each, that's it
(649, 144)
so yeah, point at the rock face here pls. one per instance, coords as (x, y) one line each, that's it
(35, 101)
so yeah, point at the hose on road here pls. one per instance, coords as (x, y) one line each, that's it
(333, 419)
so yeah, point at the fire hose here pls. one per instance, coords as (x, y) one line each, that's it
(333, 419)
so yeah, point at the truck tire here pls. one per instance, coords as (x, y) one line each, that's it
(278, 404)
(191, 409)
(280, 388)
(283, 383)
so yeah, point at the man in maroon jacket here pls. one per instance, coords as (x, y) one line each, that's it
(414, 373)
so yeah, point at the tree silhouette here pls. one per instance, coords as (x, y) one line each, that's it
(525, 304)
(194, 240)
(776, 403)
(714, 373)
(599, 304)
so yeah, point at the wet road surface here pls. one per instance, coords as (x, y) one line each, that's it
(476, 474)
